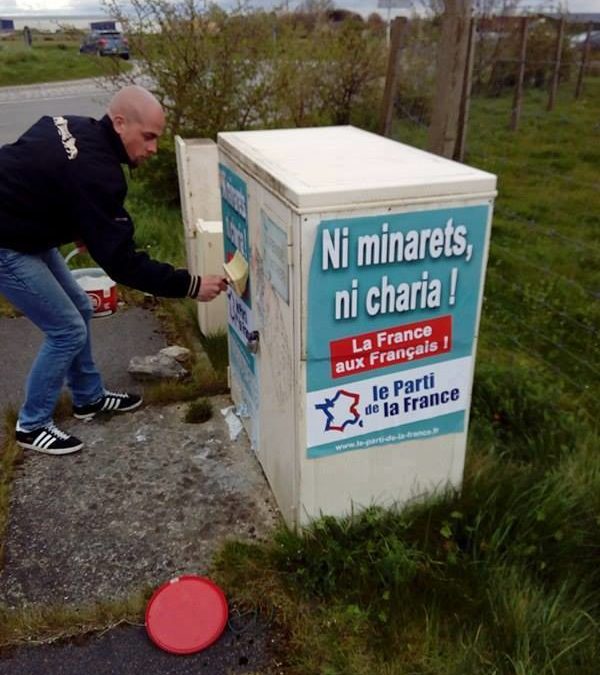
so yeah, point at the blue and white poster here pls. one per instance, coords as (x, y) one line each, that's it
(240, 318)
(392, 311)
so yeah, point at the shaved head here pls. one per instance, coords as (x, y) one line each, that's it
(133, 102)
(139, 120)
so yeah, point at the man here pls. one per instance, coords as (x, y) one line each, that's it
(62, 181)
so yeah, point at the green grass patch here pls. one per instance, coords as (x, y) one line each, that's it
(11, 456)
(50, 62)
(215, 346)
(199, 411)
(501, 578)
(6, 309)
(34, 625)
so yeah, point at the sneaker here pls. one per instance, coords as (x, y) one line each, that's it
(112, 401)
(48, 439)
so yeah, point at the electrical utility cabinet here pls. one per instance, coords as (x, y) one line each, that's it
(352, 346)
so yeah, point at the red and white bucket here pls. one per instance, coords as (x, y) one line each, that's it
(100, 288)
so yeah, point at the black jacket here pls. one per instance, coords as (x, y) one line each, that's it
(62, 181)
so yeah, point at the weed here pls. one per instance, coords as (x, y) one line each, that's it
(199, 411)
(46, 624)
(11, 456)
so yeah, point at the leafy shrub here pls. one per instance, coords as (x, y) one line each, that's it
(159, 175)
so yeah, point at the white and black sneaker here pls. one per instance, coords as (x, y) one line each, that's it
(112, 401)
(48, 439)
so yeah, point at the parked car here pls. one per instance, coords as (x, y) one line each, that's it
(105, 43)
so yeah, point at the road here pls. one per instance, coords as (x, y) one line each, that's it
(21, 106)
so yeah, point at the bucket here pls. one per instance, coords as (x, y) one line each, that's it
(100, 288)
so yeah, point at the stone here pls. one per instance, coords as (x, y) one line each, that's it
(157, 367)
(180, 354)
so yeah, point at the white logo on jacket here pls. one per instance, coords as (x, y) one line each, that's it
(67, 139)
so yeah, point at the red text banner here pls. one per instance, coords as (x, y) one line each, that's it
(390, 346)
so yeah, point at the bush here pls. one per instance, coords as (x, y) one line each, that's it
(159, 176)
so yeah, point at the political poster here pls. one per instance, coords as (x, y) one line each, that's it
(392, 309)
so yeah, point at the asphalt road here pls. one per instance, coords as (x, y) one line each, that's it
(21, 106)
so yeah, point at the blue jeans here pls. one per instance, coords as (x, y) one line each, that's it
(42, 287)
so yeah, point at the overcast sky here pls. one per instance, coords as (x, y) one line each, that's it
(10, 7)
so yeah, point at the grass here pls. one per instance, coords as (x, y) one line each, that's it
(35, 625)
(199, 411)
(502, 578)
(11, 456)
(51, 60)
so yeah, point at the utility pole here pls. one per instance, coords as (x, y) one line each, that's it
(389, 5)
(391, 80)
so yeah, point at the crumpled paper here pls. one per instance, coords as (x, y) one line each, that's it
(234, 424)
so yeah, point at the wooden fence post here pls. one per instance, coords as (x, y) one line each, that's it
(554, 86)
(584, 60)
(518, 98)
(451, 60)
(391, 78)
(463, 120)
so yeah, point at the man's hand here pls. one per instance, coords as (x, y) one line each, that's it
(210, 287)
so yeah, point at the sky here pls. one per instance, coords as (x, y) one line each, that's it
(14, 7)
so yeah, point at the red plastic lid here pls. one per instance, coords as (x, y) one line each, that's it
(186, 614)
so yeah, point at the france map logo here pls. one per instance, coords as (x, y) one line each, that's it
(340, 410)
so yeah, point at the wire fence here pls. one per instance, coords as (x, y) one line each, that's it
(543, 281)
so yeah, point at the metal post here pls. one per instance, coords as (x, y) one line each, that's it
(518, 98)
(391, 78)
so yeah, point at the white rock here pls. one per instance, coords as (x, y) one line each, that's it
(180, 354)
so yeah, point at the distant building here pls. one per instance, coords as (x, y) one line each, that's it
(51, 23)
(7, 26)
(103, 25)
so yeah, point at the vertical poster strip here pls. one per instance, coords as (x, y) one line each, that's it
(240, 317)
(392, 310)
